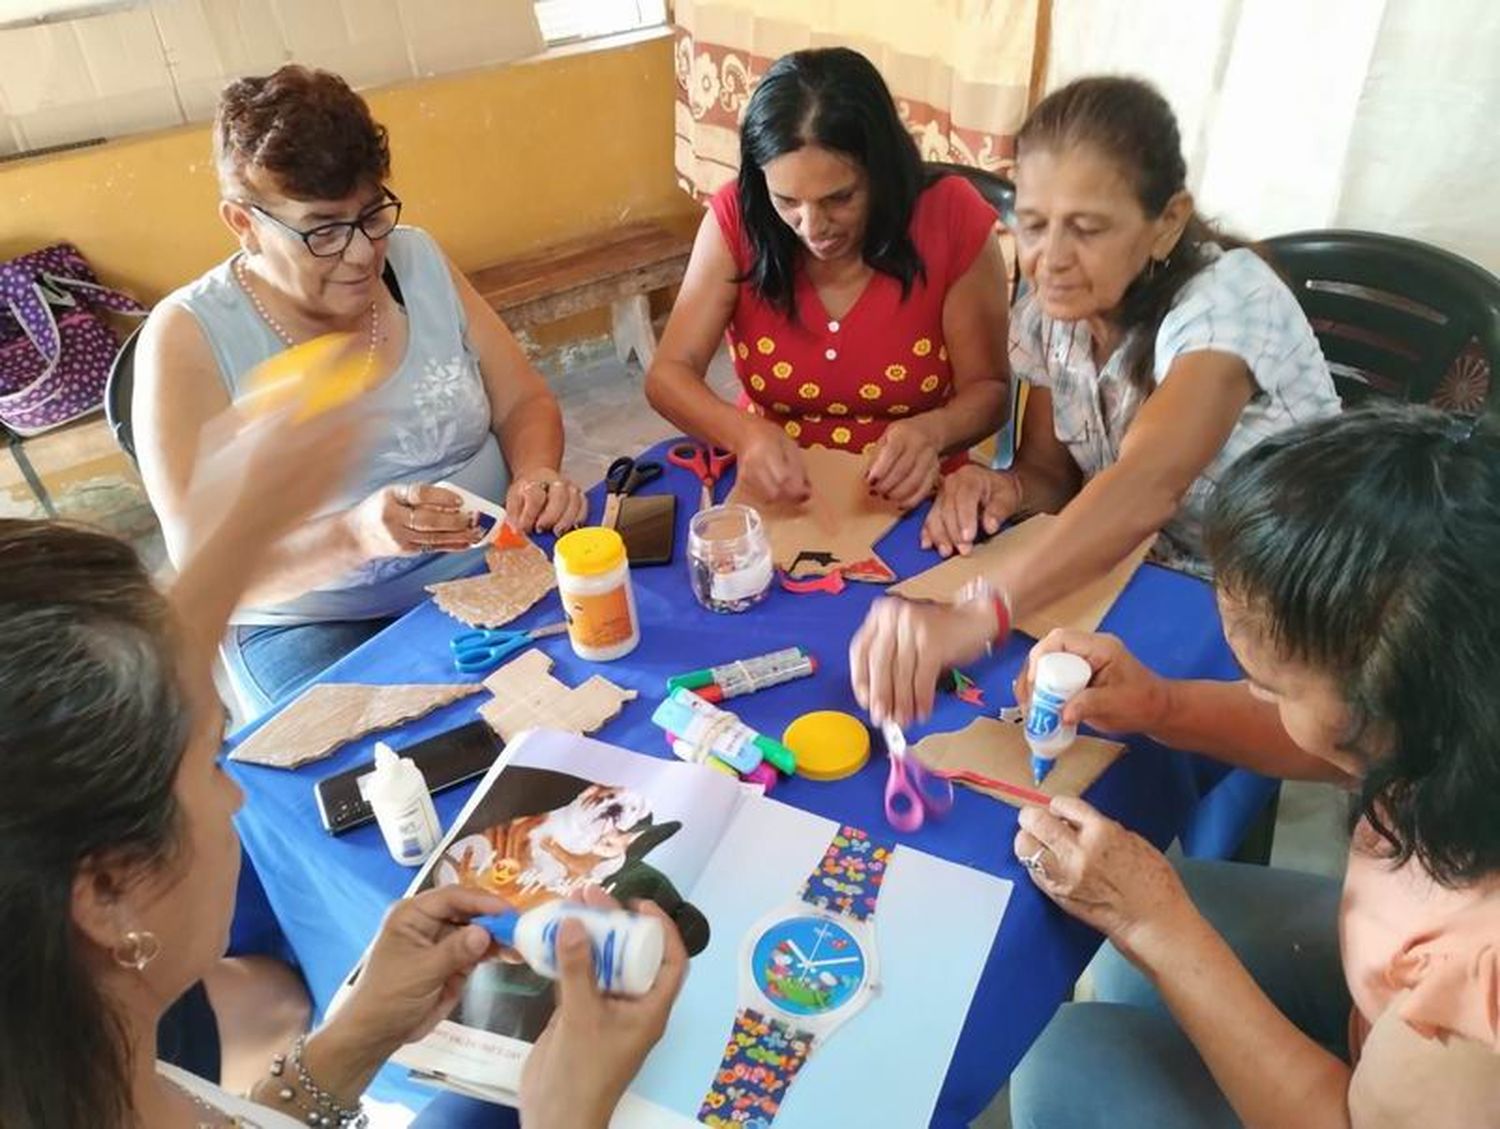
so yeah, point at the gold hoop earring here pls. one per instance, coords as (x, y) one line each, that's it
(137, 950)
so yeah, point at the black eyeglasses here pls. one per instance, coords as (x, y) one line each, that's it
(328, 240)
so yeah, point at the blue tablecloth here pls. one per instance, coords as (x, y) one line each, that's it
(329, 893)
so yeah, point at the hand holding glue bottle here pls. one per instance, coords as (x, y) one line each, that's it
(1055, 678)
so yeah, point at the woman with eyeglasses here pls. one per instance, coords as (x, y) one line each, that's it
(302, 168)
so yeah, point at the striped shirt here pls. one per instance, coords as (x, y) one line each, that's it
(1237, 305)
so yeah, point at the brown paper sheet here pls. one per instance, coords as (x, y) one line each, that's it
(527, 696)
(842, 519)
(1082, 610)
(517, 579)
(332, 714)
(998, 749)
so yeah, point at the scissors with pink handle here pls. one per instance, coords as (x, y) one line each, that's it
(708, 463)
(911, 792)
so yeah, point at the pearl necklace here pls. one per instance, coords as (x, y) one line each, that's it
(241, 275)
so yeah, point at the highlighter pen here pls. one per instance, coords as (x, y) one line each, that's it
(746, 675)
(770, 749)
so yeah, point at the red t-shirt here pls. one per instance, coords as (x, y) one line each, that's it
(840, 382)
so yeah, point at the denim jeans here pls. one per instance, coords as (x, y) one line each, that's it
(1121, 1061)
(270, 664)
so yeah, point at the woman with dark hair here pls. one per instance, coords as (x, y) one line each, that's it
(864, 300)
(1158, 350)
(1355, 565)
(302, 171)
(117, 877)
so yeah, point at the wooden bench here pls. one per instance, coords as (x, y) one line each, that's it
(618, 269)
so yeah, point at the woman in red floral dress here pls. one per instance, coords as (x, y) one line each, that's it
(864, 300)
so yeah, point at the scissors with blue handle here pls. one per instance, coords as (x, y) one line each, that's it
(624, 477)
(474, 651)
(708, 463)
(911, 792)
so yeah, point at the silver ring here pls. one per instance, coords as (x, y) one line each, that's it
(1033, 862)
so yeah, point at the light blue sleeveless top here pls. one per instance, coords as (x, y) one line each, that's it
(434, 423)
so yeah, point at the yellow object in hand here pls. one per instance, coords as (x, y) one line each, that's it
(312, 378)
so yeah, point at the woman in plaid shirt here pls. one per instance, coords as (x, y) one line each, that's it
(1158, 351)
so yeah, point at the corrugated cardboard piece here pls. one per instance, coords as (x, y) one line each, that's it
(842, 522)
(527, 696)
(517, 579)
(332, 714)
(997, 749)
(1083, 610)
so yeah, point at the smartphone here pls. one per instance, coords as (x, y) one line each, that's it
(445, 760)
(649, 526)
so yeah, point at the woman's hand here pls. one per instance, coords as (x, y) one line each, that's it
(971, 498)
(398, 521)
(770, 464)
(543, 500)
(266, 474)
(417, 967)
(595, 1044)
(1104, 875)
(1124, 696)
(905, 464)
(898, 653)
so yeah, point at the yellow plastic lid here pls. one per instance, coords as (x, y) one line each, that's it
(828, 744)
(316, 376)
(591, 551)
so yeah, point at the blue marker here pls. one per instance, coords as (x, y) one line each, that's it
(1059, 676)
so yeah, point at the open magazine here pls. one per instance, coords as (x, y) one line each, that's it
(559, 812)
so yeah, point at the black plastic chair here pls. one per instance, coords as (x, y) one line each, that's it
(1397, 319)
(118, 391)
(997, 191)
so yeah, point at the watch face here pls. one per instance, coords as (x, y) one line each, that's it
(808, 965)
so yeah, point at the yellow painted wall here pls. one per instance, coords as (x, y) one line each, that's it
(491, 162)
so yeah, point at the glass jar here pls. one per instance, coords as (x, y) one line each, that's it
(729, 558)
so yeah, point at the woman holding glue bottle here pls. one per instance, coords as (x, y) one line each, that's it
(117, 881)
(1353, 560)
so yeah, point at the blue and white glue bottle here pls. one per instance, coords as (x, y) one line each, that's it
(1058, 677)
(627, 947)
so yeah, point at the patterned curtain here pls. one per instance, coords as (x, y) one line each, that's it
(960, 71)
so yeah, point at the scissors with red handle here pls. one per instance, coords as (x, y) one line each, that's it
(708, 463)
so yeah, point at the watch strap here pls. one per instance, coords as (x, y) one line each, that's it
(760, 1061)
(847, 878)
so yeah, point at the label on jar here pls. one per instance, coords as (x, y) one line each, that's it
(601, 620)
(742, 583)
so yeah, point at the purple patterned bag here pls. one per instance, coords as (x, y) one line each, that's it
(55, 349)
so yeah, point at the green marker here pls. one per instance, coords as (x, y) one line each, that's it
(777, 753)
(692, 680)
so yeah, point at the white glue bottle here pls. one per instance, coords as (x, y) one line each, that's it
(397, 791)
(1059, 676)
(627, 946)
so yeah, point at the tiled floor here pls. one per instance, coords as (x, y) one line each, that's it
(606, 415)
